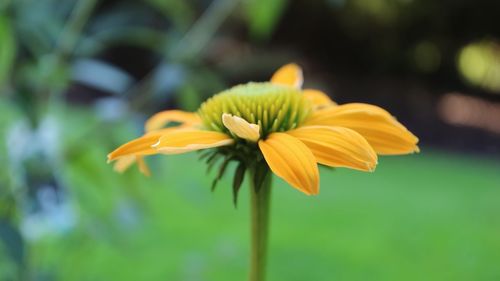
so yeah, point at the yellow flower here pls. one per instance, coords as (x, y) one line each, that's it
(278, 124)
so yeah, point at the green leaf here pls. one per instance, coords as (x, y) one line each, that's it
(263, 15)
(203, 154)
(13, 242)
(211, 161)
(222, 170)
(259, 176)
(7, 49)
(214, 184)
(239, 176)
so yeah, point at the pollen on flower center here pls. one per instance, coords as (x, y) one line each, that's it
(275, 108)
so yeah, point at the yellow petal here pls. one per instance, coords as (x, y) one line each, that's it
(318, 98)
(337, 147)
(123, 163)
(143, 167)
(241, 128)
(356, 106)
(133, 151)
(182, 141)
(382, 131)
(139, 146)
(290, 75)
(292, 161)
(161, 119)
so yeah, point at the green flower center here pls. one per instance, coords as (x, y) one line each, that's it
(274, 108)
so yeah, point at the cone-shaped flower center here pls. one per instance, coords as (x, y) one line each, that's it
(275, 108)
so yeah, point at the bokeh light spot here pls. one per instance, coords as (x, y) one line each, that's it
(479, 64)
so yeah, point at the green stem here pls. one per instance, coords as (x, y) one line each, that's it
(74, 26)
(260, 202)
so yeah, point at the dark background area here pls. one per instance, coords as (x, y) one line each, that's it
(357, 53)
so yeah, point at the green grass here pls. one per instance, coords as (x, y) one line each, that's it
(431, 216)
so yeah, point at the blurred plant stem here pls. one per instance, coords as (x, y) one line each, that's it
(202, 30)
(68, 39)
(260, 204)
(188, 48)
(65, 47)
(74, 26)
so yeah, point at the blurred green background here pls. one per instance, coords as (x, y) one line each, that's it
(78, 78)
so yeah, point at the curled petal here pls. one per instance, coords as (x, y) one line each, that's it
(161, 119)
(241, 128)
(290, 75)
(337, 147)
(143, 167)
(292, 161)
(182, 141)
(318, 98)
(382, 131)
(123, 163)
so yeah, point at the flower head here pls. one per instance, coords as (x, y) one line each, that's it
(278, 125)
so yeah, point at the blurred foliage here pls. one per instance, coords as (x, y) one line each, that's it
(7, 48)
(263, 15)
(179, 12)
(56, 189)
